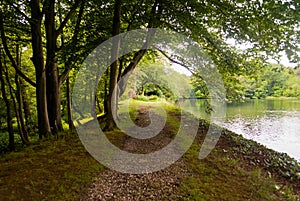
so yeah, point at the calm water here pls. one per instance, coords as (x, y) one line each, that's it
(274, 123)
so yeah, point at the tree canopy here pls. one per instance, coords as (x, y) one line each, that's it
(52, 38)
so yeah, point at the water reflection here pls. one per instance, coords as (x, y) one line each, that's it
(274, 123)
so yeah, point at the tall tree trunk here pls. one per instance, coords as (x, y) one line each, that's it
(112, 97)
(69, 105)
(106, 92)
(52, 77)
(19, 108)
(19, 113)
(38, 61)
(11, 139)
(26, 105)
(16, 108)
(53, 96)
(98, 104)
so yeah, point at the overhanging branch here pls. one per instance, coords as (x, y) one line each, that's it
(174, 61)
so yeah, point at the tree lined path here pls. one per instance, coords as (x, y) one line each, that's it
(43, 48)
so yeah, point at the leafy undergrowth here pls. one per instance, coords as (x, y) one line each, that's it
(58, 169)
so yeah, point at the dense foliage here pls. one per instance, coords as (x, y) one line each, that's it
(159, 79)
(273, 80)
(44, 42)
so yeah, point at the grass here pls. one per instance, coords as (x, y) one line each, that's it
(51, 170)
(61, 169)
(219, 178)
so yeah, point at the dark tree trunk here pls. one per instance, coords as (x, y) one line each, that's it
(52, 72)
(53, 96)
(26, 105)
(16, 108)
(106, 92)
(93, 102)
(69, 105)
(11, 139)
(112, 97)
(38, 61)
(19, 113)
(52, 77)
(98, 104)
(19, 108)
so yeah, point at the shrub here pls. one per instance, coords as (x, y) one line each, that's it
(141, 98)
(153, 97)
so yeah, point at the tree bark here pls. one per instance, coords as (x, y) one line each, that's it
(38, 61)
(11, 139)
(112, 97)
(69, 106)
(52, 77)
(26, 105)
(52, 72)
(19, 113)
(22, 131)
(106, 92)
(16, 109)
(19, 108)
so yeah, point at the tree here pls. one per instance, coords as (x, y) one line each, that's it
(52, 71)
(120, 72)
(48, 79)
(8, 108)
(63, 33)
(112, 97)
(266, 27)
(38, 62)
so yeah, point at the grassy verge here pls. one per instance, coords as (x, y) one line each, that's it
(222, 177)
(58, 169)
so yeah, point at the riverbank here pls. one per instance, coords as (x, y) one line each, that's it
(282, 98)
(237, 169)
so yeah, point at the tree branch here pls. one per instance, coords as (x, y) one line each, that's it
(64, 75)
(139, 55)
(7, 52)
(69, 15)
(76, 30)
(45, 6)
(174, 61)
(19, 11)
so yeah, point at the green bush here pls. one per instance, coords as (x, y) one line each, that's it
(4, 142)
(141, 98)
(153, 97)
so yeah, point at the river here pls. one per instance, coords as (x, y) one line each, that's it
(273, 123)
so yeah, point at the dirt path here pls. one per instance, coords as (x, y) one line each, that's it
(161, 185)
